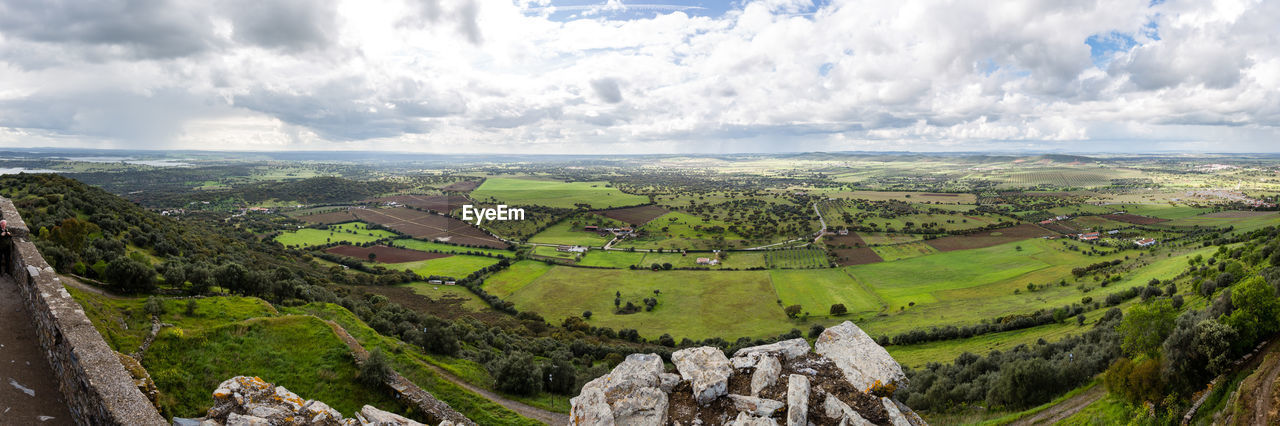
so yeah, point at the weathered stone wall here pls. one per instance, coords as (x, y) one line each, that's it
(95, 385)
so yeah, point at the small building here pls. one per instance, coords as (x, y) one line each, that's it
(435, 282)
(1090, 236)
(1145, 242)
(1113, 232)
(571, 249)
(450, 283)
(625, 229)
(591, 228)
(708, 261)
(843, 232)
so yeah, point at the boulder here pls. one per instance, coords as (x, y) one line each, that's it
(644, 406)
(590, 408)
(760, 407)
(857, 355)
(636, 371)
(766, 374)
(668, 381)
(235, 419)
(251, 401)
(797, 400)
(708, 370)
(787, 349)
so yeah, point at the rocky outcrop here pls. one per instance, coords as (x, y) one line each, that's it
(778, 383)
(863, 362)
(252, 401)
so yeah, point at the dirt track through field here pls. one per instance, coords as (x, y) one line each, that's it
(1065, 409)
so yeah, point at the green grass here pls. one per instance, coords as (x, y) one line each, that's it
(351, 232)
(679, 230)
(816, 290)
(874, 238)
(432, 246)
(1241, 224)
(1011, 417)
(903, 251)
(1164, 211)
(945, 351)
(553, 193)
(300, 353)
(564, 233)
(920, 279)
(515, 277)
(554, 253)
(456, 266)
(694, 304)
(1106, 411)
(797, 258)
(437, 291)
(612, 258)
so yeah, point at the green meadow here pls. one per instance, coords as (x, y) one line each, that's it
(456, 266)
(351, 232)
(565, 233)
(816, 290)
(554, 193)
(1241, 224)
(515, 277)
(694, 304)
(438, 291)
(903, 251)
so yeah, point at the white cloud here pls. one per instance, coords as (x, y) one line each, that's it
(492, 76)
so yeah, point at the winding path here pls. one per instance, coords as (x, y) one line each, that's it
(523, 409)
(1066, 408)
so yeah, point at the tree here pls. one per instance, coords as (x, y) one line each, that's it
(1145, 327)
(201, 278)
(792, 311)
(175, 275)
(838, 309)
(153, 306)
(373, 256)
(230, 276)
(1257, 311)
(131, 276)
(560, 377)
(586, 314)
(376, 370)
(517, 373)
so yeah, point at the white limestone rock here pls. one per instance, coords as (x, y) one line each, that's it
(836, 409)
(642, 407)
(895, 415)
(766, 374)
(787, 349)
(708, 370)
(745, 419)
(760, 407)
(797, 400)
(859, 357)
(590, 408)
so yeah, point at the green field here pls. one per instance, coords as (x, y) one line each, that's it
(564, 233)
(678, 230)
(436, 291)
(1241, 224)
(456, 266)
(835, 213)
(877, 238)
(903, 251)
(694, 304)
(552, 252)
(796, 258)
(816, 290)
(554, 193)
(1164, 211)
(612, 258)
(515, 277)
(432, 246)
(351, 232)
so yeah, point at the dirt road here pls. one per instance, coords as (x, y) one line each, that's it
(1065, 409)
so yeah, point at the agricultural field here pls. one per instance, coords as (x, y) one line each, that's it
(900, 217)
(432, 246)
(552, 193)
(797, 258)
(612, 258)
(1241, 221)
(448, 294)
(429, 226)
(455, 266)
(816, 290)
(351, 232)
(989, 238)
(917, 197)
(383, 254)
(678, 230)
(1082, 177)
(552, 253)
(1163, 211)
(634, 216)
(515, 277)
(903, 251)
(884, 238)
(570, 232)
(443, 204)
(850, 249)
(694, 304)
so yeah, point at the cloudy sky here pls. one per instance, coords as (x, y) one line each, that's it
(579, 76)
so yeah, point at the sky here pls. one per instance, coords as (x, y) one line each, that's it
(653, 76)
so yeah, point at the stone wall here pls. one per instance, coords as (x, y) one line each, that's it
(95, 385)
